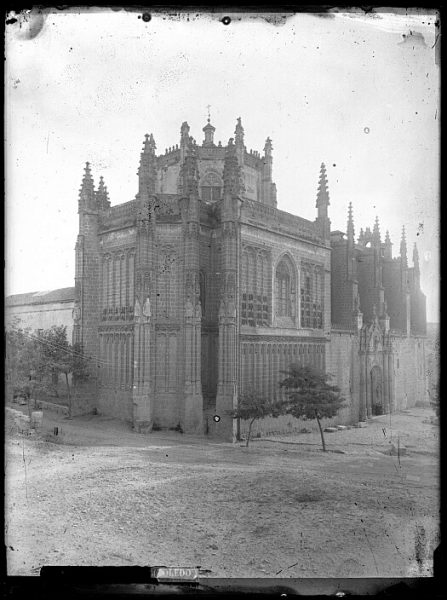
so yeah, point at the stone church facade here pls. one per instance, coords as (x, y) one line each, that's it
(200, 289)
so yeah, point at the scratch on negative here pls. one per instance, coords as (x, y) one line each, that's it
(372, 552)
(24, 465)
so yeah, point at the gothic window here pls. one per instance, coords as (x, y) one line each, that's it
(255, 288)
(211, 187)
(131, 280)
(117, 280)
(284, 289)
(123, 281)
(165, 289)
(311, 296)
(106, 283)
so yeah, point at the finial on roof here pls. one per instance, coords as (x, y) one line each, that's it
(102, 195)
(239, 133)
(209, 132)
(415, 257)
(376, 231)
(149, 144)
(403, 248)
(322, 193)
(268, 147)
(350, 228)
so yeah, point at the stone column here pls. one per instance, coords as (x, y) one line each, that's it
(391, 391)
(363, 387)
(143, 350)
(190, 208)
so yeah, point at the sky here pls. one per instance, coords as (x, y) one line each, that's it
(359, 92)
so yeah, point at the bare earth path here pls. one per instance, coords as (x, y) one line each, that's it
(107, 496)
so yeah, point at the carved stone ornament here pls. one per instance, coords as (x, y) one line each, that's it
(76, 314)
(147, 308)
(229, 229)
(138, 284)
(189, 308)
(137, 309)
(231, 285)
(193, 230)
(198, 311)
(147, 283)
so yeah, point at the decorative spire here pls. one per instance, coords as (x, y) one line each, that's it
(189, 172)
(350, 228)
(147, 171)
(149, 144)
(376, 233)
(416, 258)
(87, 190)
(102, 195)
(388, 246)
(239, 133)
(322, 194)
(268, 147)
(403, 249)
(361, 236)
(233, 184)
(87, 179)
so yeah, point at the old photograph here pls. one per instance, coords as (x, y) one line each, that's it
(222, 291)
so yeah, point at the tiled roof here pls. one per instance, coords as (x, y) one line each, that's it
(60, 295)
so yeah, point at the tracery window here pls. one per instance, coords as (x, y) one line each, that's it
(211, 187)
(255, 305)
(283, 290)
(311, 296)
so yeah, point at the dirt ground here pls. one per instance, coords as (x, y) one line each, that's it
(99, 494)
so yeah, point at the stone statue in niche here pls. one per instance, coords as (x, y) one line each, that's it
(189, 308)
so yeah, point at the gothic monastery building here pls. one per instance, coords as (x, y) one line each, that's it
(200, 289)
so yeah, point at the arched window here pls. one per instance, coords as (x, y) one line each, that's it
(283, 290)
(255, 287)
(211, 187)
(311, 296)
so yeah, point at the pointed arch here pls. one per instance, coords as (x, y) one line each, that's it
(285, 286)
(211, 186)
(255, 287)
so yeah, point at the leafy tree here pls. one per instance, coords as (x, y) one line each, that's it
(63, 358)
(252, 407)
(25, 367)
(34, 361)
(309, 395)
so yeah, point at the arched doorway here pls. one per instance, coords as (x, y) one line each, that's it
(377, 407)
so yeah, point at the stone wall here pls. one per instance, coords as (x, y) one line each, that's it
(43, 316)
(410, 378)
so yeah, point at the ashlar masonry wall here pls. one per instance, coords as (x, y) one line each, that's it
(410, 379)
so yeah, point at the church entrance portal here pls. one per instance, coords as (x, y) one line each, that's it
(377, 391)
